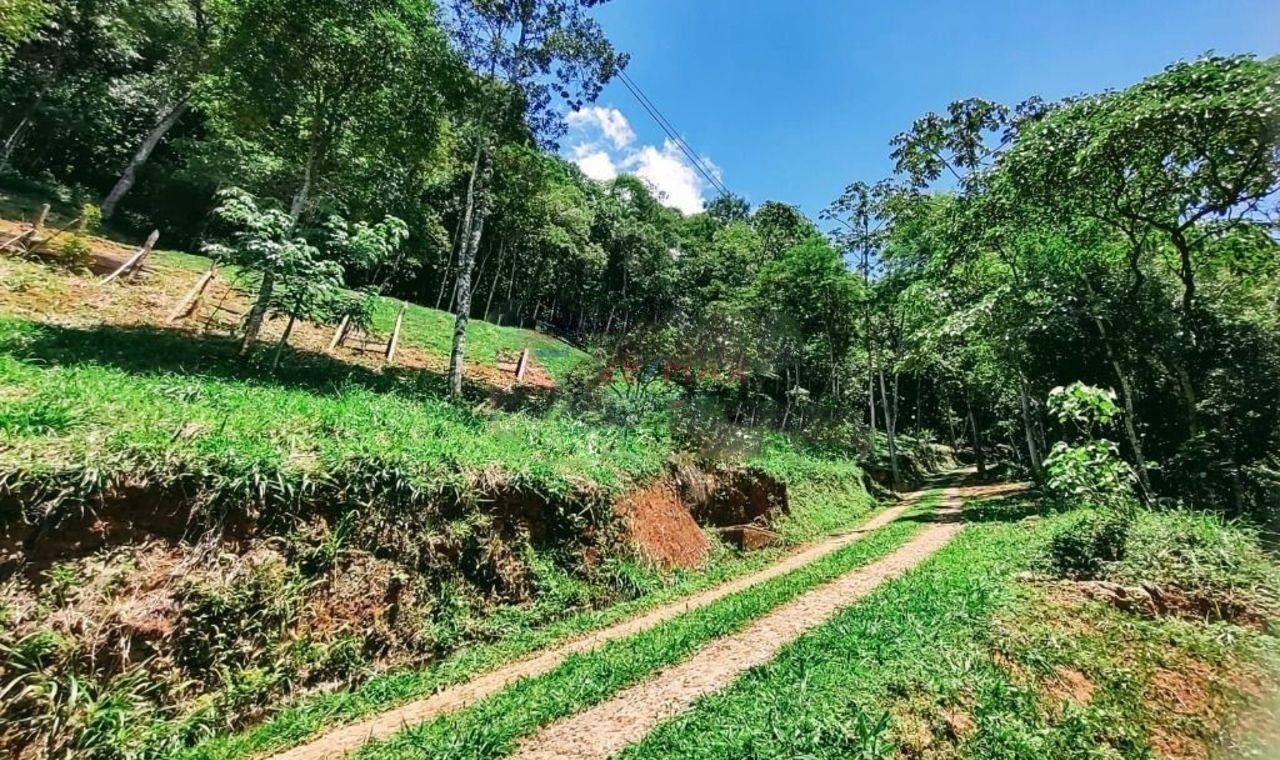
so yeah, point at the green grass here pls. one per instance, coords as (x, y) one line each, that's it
(159, 406)
(308, 716)
(493, 726)
(189, 262)
(913, 669)
(823, 484)
(432, 330)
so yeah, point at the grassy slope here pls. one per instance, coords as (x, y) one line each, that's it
(91, 403)
(958, 658)
(432, 330)
(64, 413)
(161, 403)
(424, 327)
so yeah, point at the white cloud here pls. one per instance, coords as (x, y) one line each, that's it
(596, 164)
(607, 121)
(669, 172)
(603, 146)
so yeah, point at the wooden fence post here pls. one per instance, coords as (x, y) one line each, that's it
(395, 334)
(340, 333)
(19, 238)
(146, 250)
(134, 263)
(189, 302)
(522, 365)
(24, 239)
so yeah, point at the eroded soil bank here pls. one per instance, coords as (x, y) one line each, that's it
(213, 615)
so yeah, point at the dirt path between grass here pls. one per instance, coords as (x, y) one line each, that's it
(347, 739)
(611, 726)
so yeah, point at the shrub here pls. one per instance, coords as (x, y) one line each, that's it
(1203, 555)
(1087, 470)
(1090, 475)
(1089, 543)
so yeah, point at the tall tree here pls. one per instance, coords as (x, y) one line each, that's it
(528, 54)
(302, 81)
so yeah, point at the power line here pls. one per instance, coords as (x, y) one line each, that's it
(666, 127)
(671, 132)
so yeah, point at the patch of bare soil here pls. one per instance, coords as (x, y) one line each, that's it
(347, 739)
(609, 727)
(661, 528)
(1069, 685)
(1190, 700)
(730, 497)
(1152, 600)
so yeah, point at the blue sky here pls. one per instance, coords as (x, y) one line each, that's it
(793, 100)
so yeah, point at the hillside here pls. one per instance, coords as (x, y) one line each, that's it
(334, 489)
(448, 380)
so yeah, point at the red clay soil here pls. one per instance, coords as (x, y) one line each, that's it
(730, 497)
(661, 528)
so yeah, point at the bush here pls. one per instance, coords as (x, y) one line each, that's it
(1203, 555)
(1089, 543)
(75, 254)
(1089, 475)
(1087, 470)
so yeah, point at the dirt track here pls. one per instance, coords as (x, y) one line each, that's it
(347, 739)
(610, 726)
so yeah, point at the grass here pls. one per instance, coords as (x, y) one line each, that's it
(308, 716)
(432, 330)
(959, 658)
(822, 483)
(493, 726)
(87, 396)
(1201, 554)
(99, 404)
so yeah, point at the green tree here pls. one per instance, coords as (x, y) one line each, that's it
(20, 21)
(184, 36)
(528, 54)
(306, 82)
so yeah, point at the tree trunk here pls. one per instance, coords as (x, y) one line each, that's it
(890, 423)
(497, 275)
(1186, 273)
(11, 142)
(978, 453)
(475, 214)
(1130, 419)
(257, 312)
(871, 410)
(511, 284)
(301, 197)
(130, 174)
(253, 324)
(448, 264)
(1033, 455)
(15, 137)
(1188, 397)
